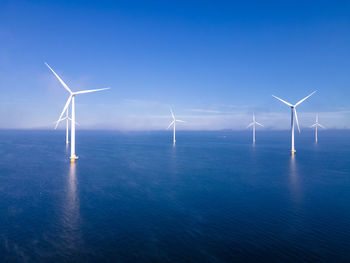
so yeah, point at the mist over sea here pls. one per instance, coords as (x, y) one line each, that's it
(215, 197)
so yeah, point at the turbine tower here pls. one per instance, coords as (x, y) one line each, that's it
(316, 125)
(67, 119)
(254, 124)
(174, 124)
(294, 115)
(71, 99)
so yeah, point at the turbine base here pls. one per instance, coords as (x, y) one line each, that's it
(72, 159)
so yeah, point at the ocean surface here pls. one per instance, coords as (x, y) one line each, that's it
(215, 197)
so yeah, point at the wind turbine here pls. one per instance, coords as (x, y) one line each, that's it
(254, 124)
(316, 125)
(294, 115)
(71, 99)
(67, 119)
(67, 125)
(174, 124)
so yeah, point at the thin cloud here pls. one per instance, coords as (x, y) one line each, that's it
(143, 103)
(204, 111)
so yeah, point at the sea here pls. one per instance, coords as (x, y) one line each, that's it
(135, 197)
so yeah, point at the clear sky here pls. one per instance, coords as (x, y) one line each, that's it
(214, 62)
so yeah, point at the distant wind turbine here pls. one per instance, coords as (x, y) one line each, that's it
(316, 125)
(254, 124)
(174, 124)
(67, 125)
(67, 119)
(71, 99)
(294, 115)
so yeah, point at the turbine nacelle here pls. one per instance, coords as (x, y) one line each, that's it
(293, 108)
(173, 123)
(254, 122)
(72, 94)
(317, 124)
(293, 113)
(174, 119)
(63, 119)
(71, 99)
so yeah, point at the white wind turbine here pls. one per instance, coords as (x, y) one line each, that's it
(67, 119)
(254, 124)
(67, 125)
(174, 124)
(316, 125)
(71, 99)
(294, 113)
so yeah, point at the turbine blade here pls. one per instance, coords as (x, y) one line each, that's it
(61, 119)
(250, 125)
(55, 122)
(300, 101)
(321, 126)
(60, 80)
(172, 114)
(88, 91)
(180, 121)
(259, 124)
(75, 122)
(296, 118)
(313, 125)
(170, 124)
(285, 102)
(64, 109)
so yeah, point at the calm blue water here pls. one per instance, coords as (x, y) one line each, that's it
(132, 197)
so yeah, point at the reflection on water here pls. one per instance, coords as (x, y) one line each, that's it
(173, 160)
(71, 210)
(294, 180)
(72, 200)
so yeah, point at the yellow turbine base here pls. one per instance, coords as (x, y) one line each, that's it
(72, 159)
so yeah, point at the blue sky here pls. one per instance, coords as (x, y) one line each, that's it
(214, 62)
